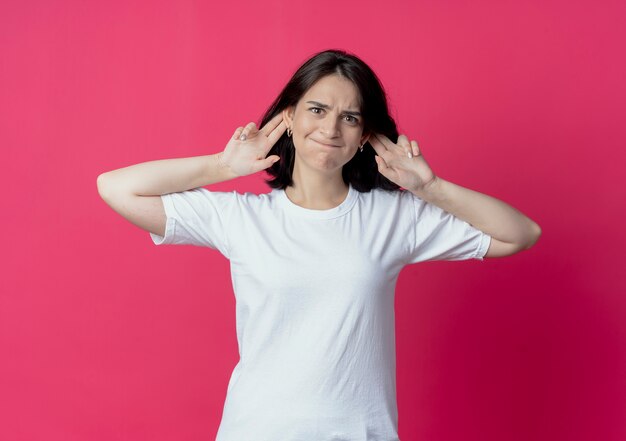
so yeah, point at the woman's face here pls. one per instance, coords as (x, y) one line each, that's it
(326, 123)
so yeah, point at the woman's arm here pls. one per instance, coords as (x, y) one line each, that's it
(511, 231)
(135, 191)
(154, 178)
(244, 154)
(404, 164)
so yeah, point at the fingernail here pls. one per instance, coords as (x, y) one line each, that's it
(242, 137)
(410, 155)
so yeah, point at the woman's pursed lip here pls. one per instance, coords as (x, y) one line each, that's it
(327, 145)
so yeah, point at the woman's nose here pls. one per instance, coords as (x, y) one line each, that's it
(329, 127)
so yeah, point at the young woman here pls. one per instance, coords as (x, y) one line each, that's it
(314, 262)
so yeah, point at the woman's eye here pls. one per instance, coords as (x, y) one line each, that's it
(352, 119)
(315, 108)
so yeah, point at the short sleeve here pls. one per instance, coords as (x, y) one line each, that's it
(439, 235)
(197, 217)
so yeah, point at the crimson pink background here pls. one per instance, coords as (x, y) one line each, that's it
(104, 336)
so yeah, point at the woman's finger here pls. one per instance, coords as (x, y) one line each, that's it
(378, 146)
(381, 162)
(403, 141)
(237, 133)
(247, 131)
(277, 132)
(378, 138)
(404, 144)
(415, 147)
(385, 141)
(272, 124)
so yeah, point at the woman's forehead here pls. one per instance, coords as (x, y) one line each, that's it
(334, 90)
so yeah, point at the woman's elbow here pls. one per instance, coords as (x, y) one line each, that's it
(534, 236)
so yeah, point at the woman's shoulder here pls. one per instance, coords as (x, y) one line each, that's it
(225, 198)
(236, 193)
(254, 200)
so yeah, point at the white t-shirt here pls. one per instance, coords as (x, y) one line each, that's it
(314, 296)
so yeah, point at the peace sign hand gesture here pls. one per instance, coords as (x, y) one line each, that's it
(402, 163)
(246, 150)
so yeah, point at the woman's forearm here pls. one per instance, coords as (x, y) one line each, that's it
(163, 176)
(485, 213)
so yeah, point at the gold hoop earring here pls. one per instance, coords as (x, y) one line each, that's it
(289, 132)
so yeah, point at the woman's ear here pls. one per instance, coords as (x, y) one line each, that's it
(288, 116)
(365, 137)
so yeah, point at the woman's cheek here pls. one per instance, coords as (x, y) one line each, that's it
(308, 124)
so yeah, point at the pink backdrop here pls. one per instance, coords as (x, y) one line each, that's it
(104, 336)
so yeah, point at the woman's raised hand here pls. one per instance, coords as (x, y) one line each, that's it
(246, 151)
(402, 162)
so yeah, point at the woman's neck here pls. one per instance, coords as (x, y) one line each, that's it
(318, 194)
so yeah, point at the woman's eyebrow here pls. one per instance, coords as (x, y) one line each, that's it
(326, 106)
